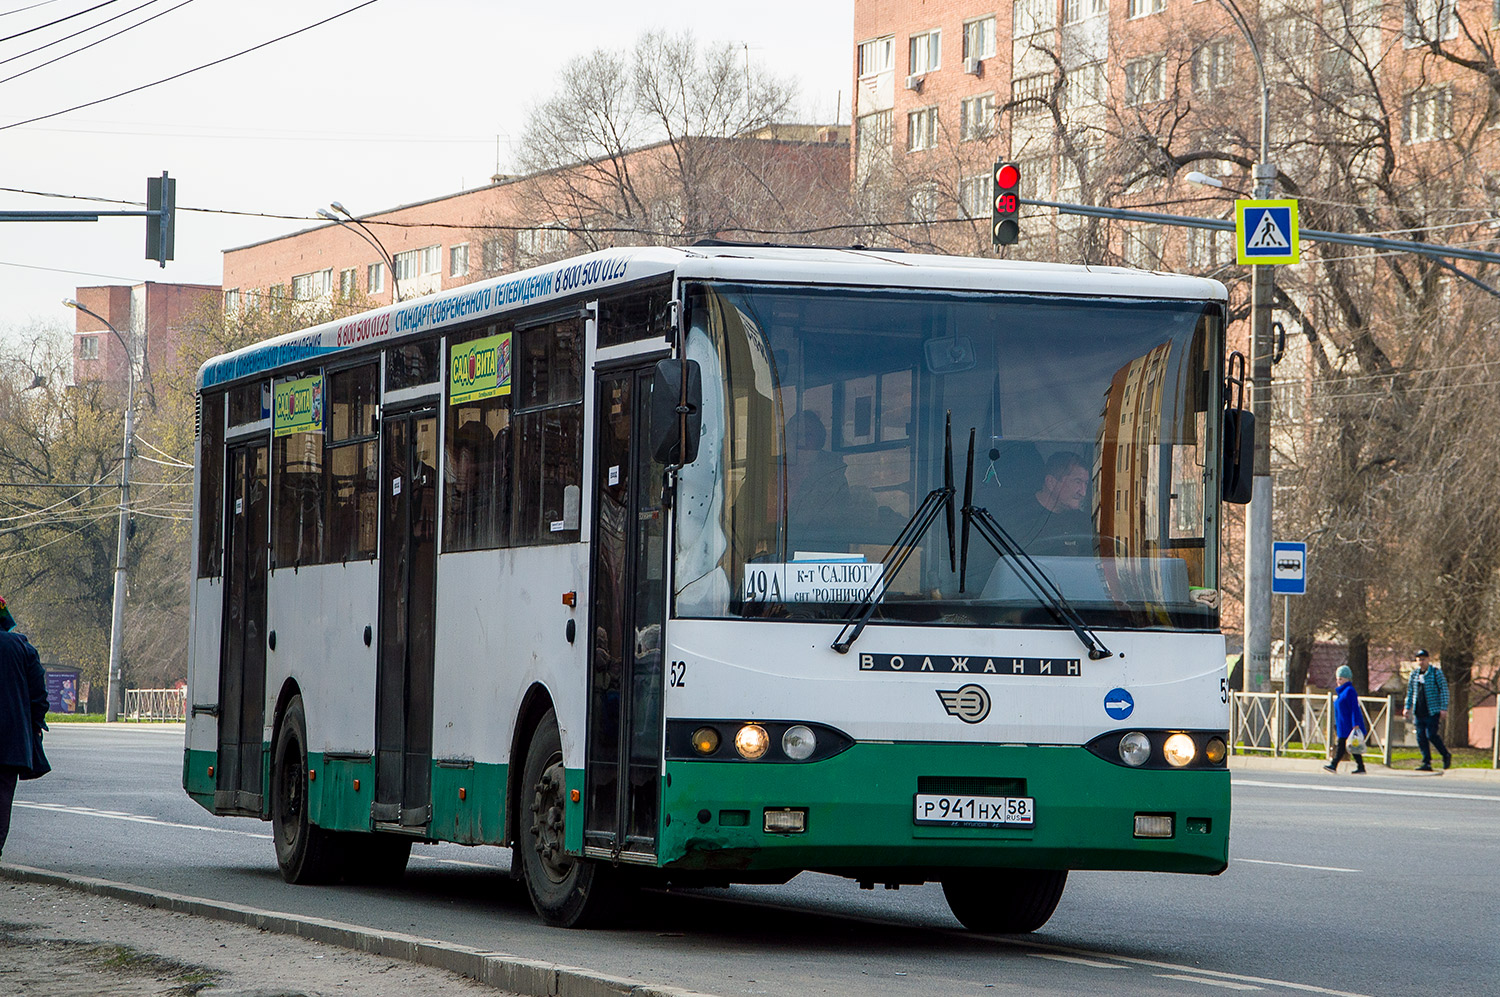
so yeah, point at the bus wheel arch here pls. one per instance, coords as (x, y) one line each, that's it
(535, 705)
(566, 891)
(305, 852)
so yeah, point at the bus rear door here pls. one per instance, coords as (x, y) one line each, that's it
(242, 648)
(404, 673)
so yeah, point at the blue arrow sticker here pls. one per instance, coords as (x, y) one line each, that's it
(1118, 704)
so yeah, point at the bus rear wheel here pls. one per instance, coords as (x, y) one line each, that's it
(1005, 901)
(567, 891)
(305, 852)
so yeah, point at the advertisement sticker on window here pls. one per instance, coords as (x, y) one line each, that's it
(480, 369)
(298, 406)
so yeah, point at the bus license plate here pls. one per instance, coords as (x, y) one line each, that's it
(975, 811)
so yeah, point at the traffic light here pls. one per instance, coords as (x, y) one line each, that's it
(161, 236)
(1006, 220)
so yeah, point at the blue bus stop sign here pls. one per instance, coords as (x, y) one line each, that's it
(1288, 568)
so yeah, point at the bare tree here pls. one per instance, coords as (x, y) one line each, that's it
(668, 143)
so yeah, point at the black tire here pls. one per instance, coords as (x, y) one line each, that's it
(566, 891)
(1005, 901)
(375, 859)
(305, 852)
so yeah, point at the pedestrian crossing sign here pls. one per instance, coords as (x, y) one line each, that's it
(1266, 231)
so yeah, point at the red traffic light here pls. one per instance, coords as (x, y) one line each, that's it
(1005, 219)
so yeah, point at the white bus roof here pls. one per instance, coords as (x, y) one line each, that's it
(600, 271)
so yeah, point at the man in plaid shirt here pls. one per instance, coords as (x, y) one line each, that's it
(1427, 703)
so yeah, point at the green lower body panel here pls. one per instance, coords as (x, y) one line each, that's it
(860, 808)
(468, 798)
(468, 803)
(198, 776)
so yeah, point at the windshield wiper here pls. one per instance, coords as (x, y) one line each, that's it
(906, 541)
(1023, 564)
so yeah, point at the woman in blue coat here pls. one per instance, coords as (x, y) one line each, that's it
(23, 712)
(1347, 718)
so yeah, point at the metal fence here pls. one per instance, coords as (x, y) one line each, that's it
(1301, 724)
(155, 704)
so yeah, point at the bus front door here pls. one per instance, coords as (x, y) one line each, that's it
(628, 610)
(242, 647)
(408, 563)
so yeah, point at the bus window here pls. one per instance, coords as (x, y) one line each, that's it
(477, 485)
(412, 365)
(353, 464)
(297, 471)
(211, 486)
(549, 433)
(297, 498)
(249, 403)
(631, 318)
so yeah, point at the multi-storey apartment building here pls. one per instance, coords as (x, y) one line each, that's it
(1114, 102)
(518, 221)
(151, 315)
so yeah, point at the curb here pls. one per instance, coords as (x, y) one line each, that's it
(530, 977)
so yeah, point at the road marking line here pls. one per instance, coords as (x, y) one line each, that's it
(1298, 865)
(1226, 984)
(135, 818)
(1370, 790)
(1258, 982)
(141, 819)
(1076, 961)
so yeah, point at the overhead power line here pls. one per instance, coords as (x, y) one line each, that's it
(188, 72)
(22, 10)
(98, 41)
(69, 17)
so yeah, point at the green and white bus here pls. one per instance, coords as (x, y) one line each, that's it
(717, 564)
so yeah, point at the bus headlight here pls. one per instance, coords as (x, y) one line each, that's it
(1215, 751)
(751, 741)
(1179, 750)
(799, 742)
(705, 740)
(1135, 748)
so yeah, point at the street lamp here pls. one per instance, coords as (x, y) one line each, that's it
(1257, 674)
(117, 618)
(362, 230)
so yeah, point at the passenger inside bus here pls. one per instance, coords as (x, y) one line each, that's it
(821, 503)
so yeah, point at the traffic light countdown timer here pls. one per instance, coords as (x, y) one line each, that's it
(1006, 220)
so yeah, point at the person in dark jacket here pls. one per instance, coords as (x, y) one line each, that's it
(23, 712)
(1347, 718)
(1427, 705)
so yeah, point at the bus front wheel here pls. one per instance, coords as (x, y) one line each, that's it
(567, 891)
(305, 852)
(1005, 901)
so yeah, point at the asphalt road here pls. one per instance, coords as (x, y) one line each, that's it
(1378, 885)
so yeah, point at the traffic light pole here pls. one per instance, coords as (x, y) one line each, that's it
(160, 215)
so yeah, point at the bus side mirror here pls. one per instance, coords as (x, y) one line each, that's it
(676, 412)
(1239, 455)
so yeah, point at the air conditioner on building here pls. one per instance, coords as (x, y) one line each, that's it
(974, 66)
(914, 82)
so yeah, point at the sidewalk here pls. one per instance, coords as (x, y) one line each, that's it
(1314, 766)
(76, 936)
(60, 942)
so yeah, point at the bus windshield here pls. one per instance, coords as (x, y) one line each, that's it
(1095, 422)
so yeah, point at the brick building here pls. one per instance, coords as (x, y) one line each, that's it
(150, 314)
(519, 221)
(1106, 102)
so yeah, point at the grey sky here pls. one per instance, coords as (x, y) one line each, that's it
(397, 102)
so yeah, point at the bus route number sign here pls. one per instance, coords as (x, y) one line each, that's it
(975, 811)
